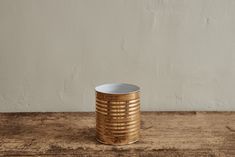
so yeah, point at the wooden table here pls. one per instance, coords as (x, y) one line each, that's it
(163, 134)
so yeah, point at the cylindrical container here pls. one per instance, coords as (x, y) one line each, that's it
(117, 113)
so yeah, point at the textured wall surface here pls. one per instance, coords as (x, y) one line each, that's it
(54, 52)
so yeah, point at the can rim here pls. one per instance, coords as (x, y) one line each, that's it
(117, 88)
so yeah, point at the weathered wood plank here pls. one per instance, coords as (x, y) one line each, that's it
(163, 134)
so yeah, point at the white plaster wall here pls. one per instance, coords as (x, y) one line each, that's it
(54, 52)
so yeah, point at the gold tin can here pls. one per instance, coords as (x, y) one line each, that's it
(117, 113)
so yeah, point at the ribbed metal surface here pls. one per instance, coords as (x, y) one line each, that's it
(117, 118)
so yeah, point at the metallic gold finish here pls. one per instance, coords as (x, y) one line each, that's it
(117, 117)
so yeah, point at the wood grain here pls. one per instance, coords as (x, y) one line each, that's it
(163, 134)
